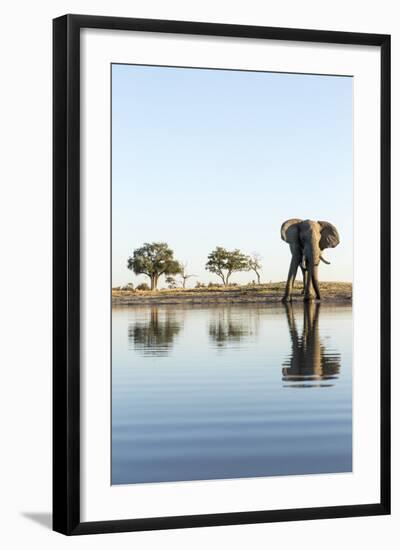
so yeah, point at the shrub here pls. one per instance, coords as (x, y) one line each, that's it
(128, 286)
(170, 282)
(143, 286)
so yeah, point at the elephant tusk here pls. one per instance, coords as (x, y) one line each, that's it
(325, 261)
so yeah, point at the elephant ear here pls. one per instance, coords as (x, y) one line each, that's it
(290, 231)
(329, 236)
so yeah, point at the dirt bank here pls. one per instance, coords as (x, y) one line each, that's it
(331, 292)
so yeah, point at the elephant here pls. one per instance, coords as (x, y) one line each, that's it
(307, 239)
(310, 363)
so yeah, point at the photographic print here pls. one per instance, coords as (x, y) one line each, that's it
(231, 192)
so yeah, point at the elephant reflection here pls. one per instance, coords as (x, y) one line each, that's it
(232, 326)
(155, 335)
(310, 364)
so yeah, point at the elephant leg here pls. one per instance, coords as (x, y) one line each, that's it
(294, 264)
(306, 278)
(304, 272)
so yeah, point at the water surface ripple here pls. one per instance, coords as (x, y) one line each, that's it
(230, 391)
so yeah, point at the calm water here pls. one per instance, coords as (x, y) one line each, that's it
(230, 391)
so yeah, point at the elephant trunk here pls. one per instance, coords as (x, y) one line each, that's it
(315, 256)
(314, 279)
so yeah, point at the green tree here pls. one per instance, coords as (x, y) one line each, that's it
(153, 260)
(255, 265)
(224, 262)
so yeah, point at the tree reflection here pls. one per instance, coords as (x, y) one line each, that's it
(229, 326)
(155, 336)
(310, 364)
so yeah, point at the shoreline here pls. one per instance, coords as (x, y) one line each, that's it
(331, 293)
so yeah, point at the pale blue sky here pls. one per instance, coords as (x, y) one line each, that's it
(204, 158)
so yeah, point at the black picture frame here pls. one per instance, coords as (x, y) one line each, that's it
(66, 273)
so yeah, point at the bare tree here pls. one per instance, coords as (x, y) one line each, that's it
(255, 265)
(184, 274)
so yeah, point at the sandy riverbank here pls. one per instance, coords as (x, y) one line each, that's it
(331, 292)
